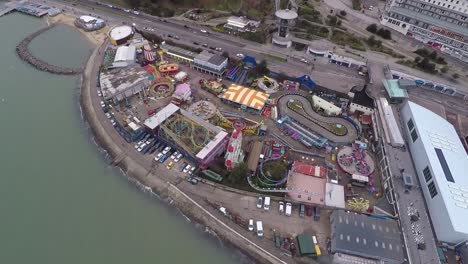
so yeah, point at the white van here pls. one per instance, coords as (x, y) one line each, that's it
(288, 209)
(266, 204)
(259, 229)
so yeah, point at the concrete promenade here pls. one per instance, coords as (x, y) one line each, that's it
(161, 181)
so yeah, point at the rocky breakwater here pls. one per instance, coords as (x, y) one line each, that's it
(23, 52)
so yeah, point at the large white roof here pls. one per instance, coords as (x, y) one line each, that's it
(120, 32)
(154, 121)
(437, 133)
(286, 14)
(88, 19)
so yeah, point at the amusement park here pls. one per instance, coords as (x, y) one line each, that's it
(233, 123)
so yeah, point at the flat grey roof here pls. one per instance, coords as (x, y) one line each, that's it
(179, 51)
(217, 59)
(365, 236)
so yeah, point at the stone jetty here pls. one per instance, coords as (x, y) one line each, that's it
(23, 52)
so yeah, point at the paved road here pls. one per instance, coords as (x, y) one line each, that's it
(309, 123)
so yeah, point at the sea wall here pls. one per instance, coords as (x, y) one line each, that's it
(23, 52)
(164, 189)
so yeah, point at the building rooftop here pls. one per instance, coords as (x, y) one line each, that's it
(361, 98)
(117, 81)
(246, 96)
(179, 51)
(394, 90)
(254, 155)
(154, 121)
(366, 236)
(334, 195)
(306, 245)
(448, 161)
(306, 189)
(88, 19)
(120, 32)
(214, 59)
(286, 14)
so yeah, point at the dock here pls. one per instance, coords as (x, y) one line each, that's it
(29, 8)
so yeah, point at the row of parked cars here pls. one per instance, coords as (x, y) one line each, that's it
(286, 208)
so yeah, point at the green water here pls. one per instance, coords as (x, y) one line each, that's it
(59, 201)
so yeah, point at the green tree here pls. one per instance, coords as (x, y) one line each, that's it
(384, 33)
(372, 28)
(444, 69)
(225, 54)
(343, 13)
(455, 76)
(417, 59)
(238, 173)
(262, 68)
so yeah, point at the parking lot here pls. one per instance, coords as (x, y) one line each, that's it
(246, 207)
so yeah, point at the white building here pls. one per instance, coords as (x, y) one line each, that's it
(242, 24)
(327, 107)
(442, 167)
(90, 23)
(443, 24)
(124, 56)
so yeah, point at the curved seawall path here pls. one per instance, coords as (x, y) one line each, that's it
(22, 49)
(154, 177)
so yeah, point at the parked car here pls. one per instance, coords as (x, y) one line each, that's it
(203, 31)
(158, 157)
(288, 209)
(103, 104)
(309, 210)
(219, 49)
(187, 168)
(183, 166)
(191, 170)
(166, 150)
(170, 165)
(179, 156)
(196, 43)
(259, 229)
(174, 155)
(301, 210)
(259, 202)
(316, 213)
(266, 204)
(193, 180)
(113, 122)
(281, 207)
(240, 55)
(251, 225)
(163, 158)
(205, 45)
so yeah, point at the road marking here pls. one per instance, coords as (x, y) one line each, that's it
(226, 226)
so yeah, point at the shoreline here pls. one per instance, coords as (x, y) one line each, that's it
(165, 190)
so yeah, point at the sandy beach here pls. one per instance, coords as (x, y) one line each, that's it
(95, 37)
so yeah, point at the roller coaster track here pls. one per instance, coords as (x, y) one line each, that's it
(314, 121)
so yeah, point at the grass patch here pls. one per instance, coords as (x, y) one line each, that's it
(347, 39)
(276, 58)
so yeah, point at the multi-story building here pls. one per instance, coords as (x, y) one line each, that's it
(443, 24)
